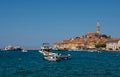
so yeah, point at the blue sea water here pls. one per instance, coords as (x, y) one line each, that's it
(81, 64)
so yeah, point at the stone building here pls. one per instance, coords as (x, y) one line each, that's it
(90, 40)
(113, 44)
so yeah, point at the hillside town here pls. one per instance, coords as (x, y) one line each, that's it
(94, 41)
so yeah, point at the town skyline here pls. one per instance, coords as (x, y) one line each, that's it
(92, 41)
(31, 23)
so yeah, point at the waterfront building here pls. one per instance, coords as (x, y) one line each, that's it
(65, 44)
(88, 41)
(113, 44)
(56, 46)
(92, 35)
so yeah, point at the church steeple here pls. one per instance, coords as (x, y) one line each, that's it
(98, 27)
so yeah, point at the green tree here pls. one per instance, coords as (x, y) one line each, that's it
(100, 45)
(106, 36)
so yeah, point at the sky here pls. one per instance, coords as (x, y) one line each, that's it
(29, 23)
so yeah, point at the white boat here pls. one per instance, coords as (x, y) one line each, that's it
(46, 53)
(65, 57)
(45, 49)
(24, 50)
(52, 58)
(12, 48)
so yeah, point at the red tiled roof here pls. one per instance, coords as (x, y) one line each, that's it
(113, 40)
(89, 34)
(65, 41)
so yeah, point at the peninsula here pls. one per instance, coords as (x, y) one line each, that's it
(90, 41)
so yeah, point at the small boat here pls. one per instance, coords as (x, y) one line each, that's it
(52, 58)
(24, 50)
(65, 57)
(12, 48)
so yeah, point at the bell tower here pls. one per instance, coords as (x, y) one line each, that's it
(98, 27)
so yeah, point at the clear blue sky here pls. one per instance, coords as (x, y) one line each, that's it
(29, 23)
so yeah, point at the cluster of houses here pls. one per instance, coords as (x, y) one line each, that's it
(113, 44)
(90, 41)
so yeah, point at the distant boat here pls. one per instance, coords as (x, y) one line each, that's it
(24, 50)
(52, 58)
(11, 48)
(65, 57)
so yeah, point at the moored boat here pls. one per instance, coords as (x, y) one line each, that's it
(52, 58)
(24, 50)
(65, 57)
(45, 49)
(12, 48)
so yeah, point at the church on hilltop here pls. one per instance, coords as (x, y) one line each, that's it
(94, 34)
(90, 40)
